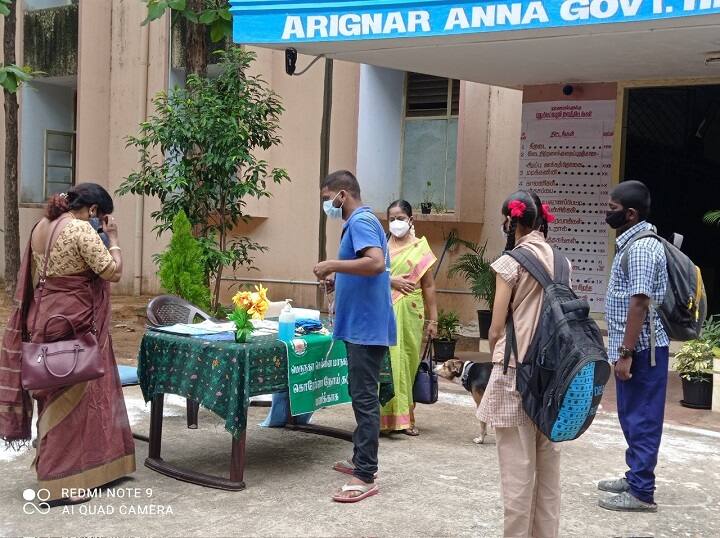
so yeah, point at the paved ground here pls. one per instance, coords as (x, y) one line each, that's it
(439, 484)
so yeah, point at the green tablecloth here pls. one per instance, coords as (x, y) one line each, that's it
(220, 375)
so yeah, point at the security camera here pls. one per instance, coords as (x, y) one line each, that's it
(568, 89)
(290, 61)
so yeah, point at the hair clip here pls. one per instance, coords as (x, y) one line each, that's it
(517, 208)
(63, 195)
(549, 217)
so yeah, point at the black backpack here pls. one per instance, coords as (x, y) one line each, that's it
(562, 378)
(684, 308)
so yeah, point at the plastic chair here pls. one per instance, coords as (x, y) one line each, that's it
(171, 309)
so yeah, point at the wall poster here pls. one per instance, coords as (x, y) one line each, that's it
(566, 157)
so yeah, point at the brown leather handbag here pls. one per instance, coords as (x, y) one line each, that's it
(47, 365)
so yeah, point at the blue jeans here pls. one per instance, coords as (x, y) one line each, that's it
(641, 410)
(280, 411)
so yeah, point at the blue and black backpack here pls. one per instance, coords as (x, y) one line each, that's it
(563, 375)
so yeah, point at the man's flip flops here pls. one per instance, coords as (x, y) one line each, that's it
(365, 490)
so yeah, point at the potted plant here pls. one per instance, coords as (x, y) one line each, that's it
(694, 363)
(444, 344)
(475, 268)
(427, 204)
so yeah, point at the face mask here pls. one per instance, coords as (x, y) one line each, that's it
(399, 228)
(616, 219)
(331, 211)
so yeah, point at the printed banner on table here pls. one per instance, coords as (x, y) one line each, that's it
(566, 157)
(316, 378)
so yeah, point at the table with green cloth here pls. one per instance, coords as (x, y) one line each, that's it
(221, 376)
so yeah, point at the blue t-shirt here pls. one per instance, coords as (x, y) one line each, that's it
(363, 305)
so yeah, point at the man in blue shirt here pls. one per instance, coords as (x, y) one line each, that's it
(635, 285)
(364, 320)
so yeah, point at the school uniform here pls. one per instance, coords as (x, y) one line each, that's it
(641, 399)
(529, 461)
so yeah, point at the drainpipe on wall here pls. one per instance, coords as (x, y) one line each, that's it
(140, 200)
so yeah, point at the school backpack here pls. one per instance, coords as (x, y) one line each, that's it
(684, 307)
(563, 375)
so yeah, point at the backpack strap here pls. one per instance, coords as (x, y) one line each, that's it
(532, 265)
(510, 342)
(624, 262)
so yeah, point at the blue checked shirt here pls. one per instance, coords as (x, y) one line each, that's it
(646, 275)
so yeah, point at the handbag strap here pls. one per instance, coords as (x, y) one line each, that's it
(427, 354)
(52, 237)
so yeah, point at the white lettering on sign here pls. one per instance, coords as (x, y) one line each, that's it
(468, 16)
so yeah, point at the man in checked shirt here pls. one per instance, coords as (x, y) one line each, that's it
(628, 309)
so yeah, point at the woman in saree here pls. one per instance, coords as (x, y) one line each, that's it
(415, 306)
(83, 434)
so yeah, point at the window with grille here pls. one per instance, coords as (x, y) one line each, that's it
(430, 133)
(59, 161)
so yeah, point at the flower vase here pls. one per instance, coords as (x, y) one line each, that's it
(242, 337)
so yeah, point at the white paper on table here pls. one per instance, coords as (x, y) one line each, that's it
(197, 329)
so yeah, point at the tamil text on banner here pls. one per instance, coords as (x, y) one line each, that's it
(317, 374)
(566, 157)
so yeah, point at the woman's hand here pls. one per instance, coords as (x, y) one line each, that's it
(432, 330)
(110, 228)
(402, 285)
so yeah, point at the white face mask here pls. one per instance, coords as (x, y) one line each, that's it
(503, 233)
(399, 228)
(331, 211)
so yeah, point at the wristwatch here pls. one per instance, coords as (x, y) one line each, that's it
(624, 352)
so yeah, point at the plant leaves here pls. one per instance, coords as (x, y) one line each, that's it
(178, 5)
(219, 30)
(208, 17)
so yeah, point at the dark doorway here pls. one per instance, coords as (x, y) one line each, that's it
(672, 144)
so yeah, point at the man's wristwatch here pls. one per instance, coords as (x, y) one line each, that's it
(625, 353)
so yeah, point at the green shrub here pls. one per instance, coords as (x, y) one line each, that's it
(180, 267)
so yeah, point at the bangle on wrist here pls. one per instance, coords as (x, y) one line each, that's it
(431, 322)
(114, 247)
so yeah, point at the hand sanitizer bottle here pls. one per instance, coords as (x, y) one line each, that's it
(286, 326)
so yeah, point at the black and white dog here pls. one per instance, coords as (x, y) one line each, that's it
(474, 377)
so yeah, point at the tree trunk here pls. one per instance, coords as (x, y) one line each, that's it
(196, 46)
(12, 216)
(324, 168)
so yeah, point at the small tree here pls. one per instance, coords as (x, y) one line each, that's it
(11, 78)
(181, 270)
(208, 133)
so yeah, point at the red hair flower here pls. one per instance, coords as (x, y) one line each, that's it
(549, 217)
(517, 208)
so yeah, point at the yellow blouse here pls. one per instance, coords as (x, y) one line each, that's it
(77, 249)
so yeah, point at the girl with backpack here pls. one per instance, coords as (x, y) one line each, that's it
(529, 462)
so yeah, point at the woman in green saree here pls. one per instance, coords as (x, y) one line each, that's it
(415, 305)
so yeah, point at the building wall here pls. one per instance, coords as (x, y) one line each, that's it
(122, 65)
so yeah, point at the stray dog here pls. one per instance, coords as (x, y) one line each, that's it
(474, 376)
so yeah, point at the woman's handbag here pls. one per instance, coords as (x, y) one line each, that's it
(425, 388)
(47, 365)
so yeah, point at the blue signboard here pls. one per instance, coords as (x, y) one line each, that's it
(283, 22)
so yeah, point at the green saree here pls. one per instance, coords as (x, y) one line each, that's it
(410, 262)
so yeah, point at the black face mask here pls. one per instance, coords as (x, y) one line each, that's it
(616, 219)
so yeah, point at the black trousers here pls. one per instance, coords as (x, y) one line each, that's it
(364, 364)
